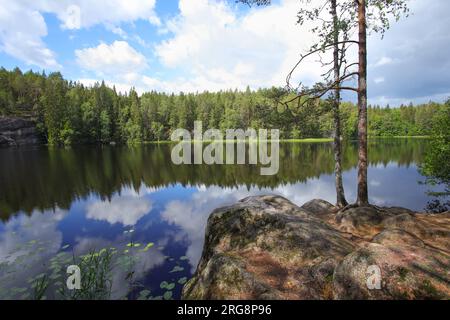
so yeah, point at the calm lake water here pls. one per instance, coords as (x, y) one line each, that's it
(60, 203)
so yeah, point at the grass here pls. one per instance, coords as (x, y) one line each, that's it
(399, 137)
(96, 279)
(308, 140)
(97, 269)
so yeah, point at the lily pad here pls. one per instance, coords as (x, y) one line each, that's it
(148, 246)
(167, 295)
(131, 244)
(144, 293)
(170, 286)
(177, 269)
(182, 280)
(166, 285)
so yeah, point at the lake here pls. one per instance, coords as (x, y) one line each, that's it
(57, 204)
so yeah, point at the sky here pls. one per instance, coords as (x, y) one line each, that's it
(198, 45)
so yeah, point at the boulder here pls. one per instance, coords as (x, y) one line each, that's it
(318, 207)
(266, 247)
(405, 270)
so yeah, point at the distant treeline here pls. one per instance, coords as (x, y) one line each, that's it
(68, 112)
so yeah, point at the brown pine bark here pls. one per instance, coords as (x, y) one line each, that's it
(363, 198)
(337, 145)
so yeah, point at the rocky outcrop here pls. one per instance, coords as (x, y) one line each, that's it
(268, 248)
(18, 131)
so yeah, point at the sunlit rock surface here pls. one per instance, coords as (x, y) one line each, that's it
(265, 247)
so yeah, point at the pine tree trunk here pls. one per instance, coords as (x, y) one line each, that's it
(363, 199)
(337, 146)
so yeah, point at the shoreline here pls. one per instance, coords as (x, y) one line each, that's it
(163, 142)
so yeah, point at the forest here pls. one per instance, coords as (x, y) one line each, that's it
(67, 112)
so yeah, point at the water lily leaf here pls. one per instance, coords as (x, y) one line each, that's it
(182, 280)
(131, 244)
(144, 293)
(177, 269)
(167, 295)
(148, 246)
(170, 286)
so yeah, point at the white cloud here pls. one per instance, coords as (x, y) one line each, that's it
(383, 61)
(76, 14)
(378, 80)
(219, 49)
(23, 27)
(21, 33)
(126, 208)
(116, 58)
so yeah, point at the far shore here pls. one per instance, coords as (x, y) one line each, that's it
(305, 140)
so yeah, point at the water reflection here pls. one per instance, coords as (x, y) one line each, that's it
(45, 178)
(63, 202)
(112, 210)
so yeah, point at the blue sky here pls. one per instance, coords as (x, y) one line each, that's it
(196, 45)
